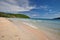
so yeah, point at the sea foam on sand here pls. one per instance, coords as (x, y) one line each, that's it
(30, 25)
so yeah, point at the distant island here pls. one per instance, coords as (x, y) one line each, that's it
(11, 15)
(57, 18)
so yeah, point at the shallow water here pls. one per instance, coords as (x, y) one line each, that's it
(51, 28)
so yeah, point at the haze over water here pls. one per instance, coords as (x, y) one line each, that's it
(51, 28)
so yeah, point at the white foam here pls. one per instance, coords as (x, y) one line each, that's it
(30, 25)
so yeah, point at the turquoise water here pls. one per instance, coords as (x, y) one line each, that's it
(51, 28)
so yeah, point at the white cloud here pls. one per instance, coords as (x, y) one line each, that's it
(43, 7)
(15, 5)
(11, 1)
(57, 14)
(53, 14)
(35, 15)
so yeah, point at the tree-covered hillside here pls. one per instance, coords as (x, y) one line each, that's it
(9, 15)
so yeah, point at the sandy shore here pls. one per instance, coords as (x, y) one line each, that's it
(10, 31)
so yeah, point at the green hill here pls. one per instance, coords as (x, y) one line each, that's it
(9, 15)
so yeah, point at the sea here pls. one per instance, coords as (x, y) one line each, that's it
(50, 27)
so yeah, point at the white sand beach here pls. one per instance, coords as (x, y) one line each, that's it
(10, 31)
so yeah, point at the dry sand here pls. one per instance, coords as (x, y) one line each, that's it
(10, 31)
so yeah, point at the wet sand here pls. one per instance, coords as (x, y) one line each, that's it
(11, 31)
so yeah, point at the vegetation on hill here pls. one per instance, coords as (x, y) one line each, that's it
(10, 15)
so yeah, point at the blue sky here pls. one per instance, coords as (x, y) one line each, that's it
(32, 8)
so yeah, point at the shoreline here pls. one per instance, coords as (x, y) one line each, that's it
(11, 31)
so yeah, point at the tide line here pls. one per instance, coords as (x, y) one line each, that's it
(30, 25)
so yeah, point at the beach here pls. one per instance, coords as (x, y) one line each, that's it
(10, 31)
